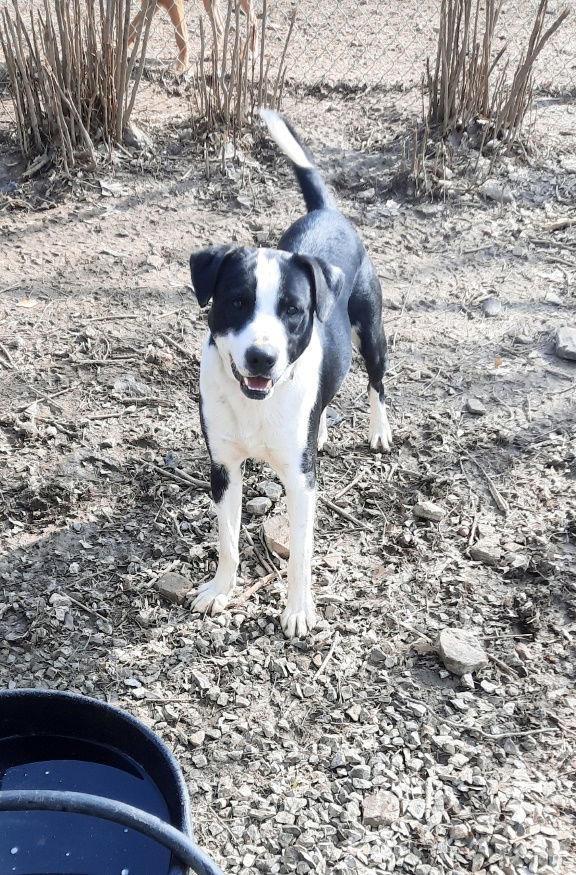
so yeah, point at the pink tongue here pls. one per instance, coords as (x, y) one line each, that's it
(260, 383)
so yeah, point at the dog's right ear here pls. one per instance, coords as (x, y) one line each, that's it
(205, 267)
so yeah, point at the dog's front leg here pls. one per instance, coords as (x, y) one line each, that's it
(299, 616)
(226, 483)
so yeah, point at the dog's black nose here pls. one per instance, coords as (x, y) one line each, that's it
(260, 360)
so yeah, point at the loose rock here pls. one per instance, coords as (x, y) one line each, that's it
(487, 551)
(380, 809)
(270, 489)
(175, 587)
(492, 307)
(427, 510)
(460, 652)
(475, 406)
(258, 506)
(566, 343)
(277, 535)
(497, 191)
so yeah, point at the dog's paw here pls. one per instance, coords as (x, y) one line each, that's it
(297, 621)
(380, 436)
(211, 598)
(381, 442)
(380, 432)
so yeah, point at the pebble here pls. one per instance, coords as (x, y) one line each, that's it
(270, 489)
(487, 551)
(277, 535)
(492, 307)
(258, 506)
(174, 587)
(427, 510)
(566, 343)
(475, 406)
(460, 652)
(197, 738)
(459, 831)
(497, 191)
(380, 809)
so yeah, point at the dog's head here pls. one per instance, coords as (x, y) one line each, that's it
(264, 302)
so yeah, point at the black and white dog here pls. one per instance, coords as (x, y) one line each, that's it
(281, 323)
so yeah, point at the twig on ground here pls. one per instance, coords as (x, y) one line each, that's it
(180, 477)
(344, 514)
(350, 486)
(560, 224)
(8, 357)
(499, 501)
(328, 656)
(181, 349)
(259, 555)
(246, 594)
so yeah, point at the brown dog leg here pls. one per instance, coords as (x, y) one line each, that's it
(137, 21)
(175, 9)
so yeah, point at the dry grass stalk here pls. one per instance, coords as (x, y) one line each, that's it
(72, 76)
(461, 88)
(235, 84)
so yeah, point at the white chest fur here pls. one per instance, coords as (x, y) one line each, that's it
(274, 430)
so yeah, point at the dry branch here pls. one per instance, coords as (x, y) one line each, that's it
(70, 71)
(231, 88)
(462, 90)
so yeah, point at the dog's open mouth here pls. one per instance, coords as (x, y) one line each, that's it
(253, 387)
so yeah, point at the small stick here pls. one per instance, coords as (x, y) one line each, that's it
(560, 224)
(148, 399)
(350, 486)
(502, 666)
(256, 587)
(500, 502)
(8, 357)
(181, 477)
(344, 514)
(181, 349)
(87, 609)
(328, 657)
(111, 318)
(261, 558)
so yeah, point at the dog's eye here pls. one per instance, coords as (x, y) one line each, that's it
(292, 311)
(239, 303)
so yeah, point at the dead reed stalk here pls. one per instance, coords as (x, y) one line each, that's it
(73, 79)
(231, 88)
(462, 90)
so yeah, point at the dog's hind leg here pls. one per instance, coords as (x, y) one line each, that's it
(226, 482)
(365, 311)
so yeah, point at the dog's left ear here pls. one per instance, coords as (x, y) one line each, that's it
(205, 267)
(327, 283)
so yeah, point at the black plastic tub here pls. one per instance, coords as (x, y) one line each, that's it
(61, 754)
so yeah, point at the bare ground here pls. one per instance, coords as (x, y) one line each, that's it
(100, 336)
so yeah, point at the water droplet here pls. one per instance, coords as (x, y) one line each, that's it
(125, 872)
(125, 830)
(67, 853)
(47, 773)
(14, 850)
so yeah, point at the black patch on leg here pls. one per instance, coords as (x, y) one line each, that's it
(308, 461)
(219, 481)
(219, 478)
(365, 312)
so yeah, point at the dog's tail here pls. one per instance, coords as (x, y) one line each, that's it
(314, 189)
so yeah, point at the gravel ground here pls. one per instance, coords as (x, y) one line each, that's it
(358, 749)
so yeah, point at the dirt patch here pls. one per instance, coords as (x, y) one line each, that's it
(99, 437)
